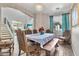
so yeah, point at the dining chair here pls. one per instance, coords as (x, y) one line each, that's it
(6, 44)
(34, 31)
(25, 46)
(48, 31)
(66, 37)
(28, 31)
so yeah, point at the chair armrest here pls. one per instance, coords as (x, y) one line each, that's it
(62, 38)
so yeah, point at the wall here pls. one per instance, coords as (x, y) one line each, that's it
(75, 38)
(42, 20)
(78, 13)
(0, 14)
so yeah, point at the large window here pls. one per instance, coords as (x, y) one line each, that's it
(16, 24)
(74, 16)
(29, 23)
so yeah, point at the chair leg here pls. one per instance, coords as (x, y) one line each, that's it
(47, 53)
(56, 45)
(0, 49)
(27, 54)
(19, 53)
(13, 48)
(10, 51)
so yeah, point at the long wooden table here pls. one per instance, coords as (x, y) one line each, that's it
(41, 39)
(47, 41)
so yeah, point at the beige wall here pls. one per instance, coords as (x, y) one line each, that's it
(42, 20)
(75, 39)
(78, 13)
(0, 14)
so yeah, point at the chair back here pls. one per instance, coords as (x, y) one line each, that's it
(28, 31)
(48, 31)
(35, 31)
(22, 40)
(67, 34)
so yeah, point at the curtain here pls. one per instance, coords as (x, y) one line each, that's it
(51, 23)
(65, 22)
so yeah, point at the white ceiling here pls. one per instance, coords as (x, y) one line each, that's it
(48, 8)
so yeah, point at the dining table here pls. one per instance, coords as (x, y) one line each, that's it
(41, 39)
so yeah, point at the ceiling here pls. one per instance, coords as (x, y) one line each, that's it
(48, 8)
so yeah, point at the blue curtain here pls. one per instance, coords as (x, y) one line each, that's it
(29, 25)
(65, 22)
(51, 23)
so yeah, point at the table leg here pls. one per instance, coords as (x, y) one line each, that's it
(0, 49)
(47, 53)
(56, 45)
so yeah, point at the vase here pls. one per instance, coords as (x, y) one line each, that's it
(41, 33)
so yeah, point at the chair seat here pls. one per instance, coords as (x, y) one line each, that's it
(5, 43)
(62, 38)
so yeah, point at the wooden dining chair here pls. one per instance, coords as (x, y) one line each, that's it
(6, 44)
(28, 31)
(48, 31)
(66, 37)
(25, 46)
(34, 31)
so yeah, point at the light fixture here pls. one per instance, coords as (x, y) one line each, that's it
(39, 7)
(57, 7)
